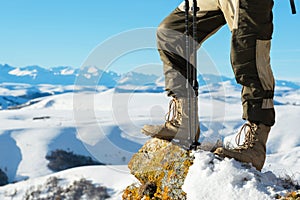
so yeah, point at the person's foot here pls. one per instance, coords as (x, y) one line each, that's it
(176, 125)
(253, 150)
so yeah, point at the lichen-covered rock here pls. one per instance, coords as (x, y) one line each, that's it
(161, 168)
(295, 195)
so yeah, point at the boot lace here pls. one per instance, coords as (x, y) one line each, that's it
(173, 113)
(249, 136)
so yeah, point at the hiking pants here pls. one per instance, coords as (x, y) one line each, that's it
(250, 22)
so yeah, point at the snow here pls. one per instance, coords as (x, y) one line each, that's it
(105, 124)
(88, 76)
(92, 70)
(112, 177)
(20, 72)
(210, 178)
(67, 71)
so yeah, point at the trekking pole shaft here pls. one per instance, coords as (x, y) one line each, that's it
(188, 71)
(187, 42)
(194, 72)
(194, 75)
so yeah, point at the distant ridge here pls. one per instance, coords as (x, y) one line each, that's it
(93, 76)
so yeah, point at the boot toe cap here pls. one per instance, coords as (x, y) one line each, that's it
(152, 130)
(220, 152)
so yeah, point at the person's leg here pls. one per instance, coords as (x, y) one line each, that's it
(250, 56)
(171, 40)
(252, 29)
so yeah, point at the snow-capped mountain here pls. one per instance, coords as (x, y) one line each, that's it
(35, 75)
(92, 76)
(37, 82)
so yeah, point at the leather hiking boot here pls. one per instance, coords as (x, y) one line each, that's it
(176, 125)
(253, 150)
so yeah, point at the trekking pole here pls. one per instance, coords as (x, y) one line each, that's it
(191, 68)
(188, 71)
(194, 77)
(293, 7)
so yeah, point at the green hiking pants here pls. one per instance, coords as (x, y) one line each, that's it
(250, 22)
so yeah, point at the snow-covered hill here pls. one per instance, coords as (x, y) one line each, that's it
(104, 123)
(115, 179)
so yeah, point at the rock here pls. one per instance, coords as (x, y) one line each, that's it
(167, 172)
(161, 168)
(61, 160)
(3, 178)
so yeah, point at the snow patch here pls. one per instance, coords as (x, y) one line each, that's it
(93, 70)
(210, 178)
(19, 72)
(67, 71)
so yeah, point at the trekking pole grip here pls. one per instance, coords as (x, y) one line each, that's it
(293, 7)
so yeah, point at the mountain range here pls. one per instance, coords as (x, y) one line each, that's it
(93, 76)
(19, 86)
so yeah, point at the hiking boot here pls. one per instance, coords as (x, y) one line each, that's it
(176, 125)
(253, 150)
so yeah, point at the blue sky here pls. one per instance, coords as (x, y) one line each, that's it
(64, 32)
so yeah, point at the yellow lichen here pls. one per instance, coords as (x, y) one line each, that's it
(131, 193)
(162, 164)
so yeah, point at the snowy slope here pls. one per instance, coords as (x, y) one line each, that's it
(115, 178)
(105, 124)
